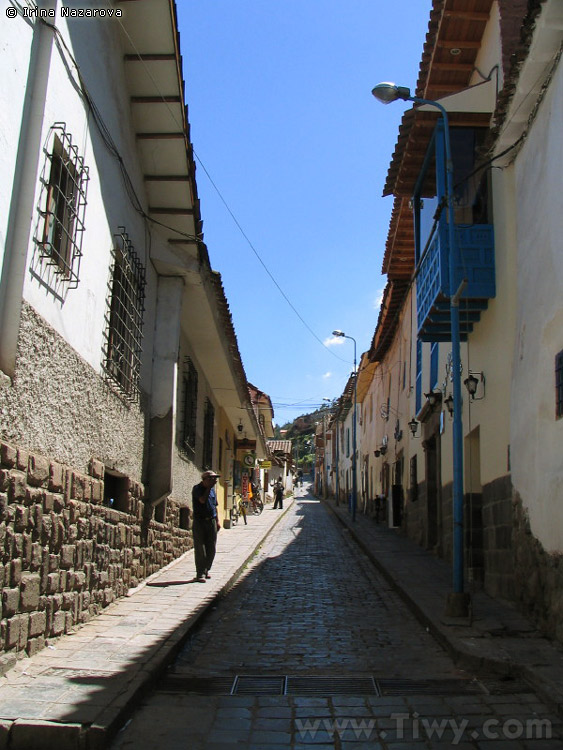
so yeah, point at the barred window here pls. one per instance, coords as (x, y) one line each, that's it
(64, 183)
(188, 435)
(208, 420)
(559, 385)
(124, 317)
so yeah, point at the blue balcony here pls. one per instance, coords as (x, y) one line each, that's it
(477, 265)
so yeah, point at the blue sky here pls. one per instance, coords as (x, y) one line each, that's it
(283, 121)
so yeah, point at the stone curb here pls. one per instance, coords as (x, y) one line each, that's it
(23, 734)
(102, 732)
(547, 689)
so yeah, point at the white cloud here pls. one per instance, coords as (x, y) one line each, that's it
(327, 375)
(378, 299)
(334, 341)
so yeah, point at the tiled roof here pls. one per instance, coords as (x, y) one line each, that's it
(391, 306)
(454, 24)
(280, 445)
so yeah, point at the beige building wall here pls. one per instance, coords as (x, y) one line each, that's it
(536, 435)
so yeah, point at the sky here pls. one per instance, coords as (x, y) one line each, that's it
(292, 153)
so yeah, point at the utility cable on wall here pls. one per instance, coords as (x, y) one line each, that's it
(228, 208)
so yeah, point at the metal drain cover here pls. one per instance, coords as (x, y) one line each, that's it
(322, 686)
(251, 685)
(328, 685)
(429, 687)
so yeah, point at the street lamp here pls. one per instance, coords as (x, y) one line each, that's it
(458, 602)
(341, 334)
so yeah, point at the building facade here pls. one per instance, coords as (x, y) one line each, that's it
(495, 67)
(121, 378)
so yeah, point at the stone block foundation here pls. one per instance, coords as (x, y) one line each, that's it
(64, 555)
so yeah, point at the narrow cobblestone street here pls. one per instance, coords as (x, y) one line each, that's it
(309, 613)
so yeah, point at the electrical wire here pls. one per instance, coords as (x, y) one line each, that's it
(256, 253)
(133, 197)
(228, 208)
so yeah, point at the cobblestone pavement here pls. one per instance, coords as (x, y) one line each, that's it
(311, 606)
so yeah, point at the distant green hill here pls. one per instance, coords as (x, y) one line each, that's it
(301, 426)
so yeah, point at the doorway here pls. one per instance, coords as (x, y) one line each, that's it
(432, 485)
(473, 521)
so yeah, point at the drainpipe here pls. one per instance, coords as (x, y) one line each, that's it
(24, 187)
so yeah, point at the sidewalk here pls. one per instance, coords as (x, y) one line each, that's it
(74, 694)
(497, 638)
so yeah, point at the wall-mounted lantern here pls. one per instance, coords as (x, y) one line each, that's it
(472, 384)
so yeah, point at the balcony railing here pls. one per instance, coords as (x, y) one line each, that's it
(477, 266)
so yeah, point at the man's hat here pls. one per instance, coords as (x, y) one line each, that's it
(207, 474)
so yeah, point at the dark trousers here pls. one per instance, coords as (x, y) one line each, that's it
(205, 542)
(279, 501)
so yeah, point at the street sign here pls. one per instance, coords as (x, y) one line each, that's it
(266, 465)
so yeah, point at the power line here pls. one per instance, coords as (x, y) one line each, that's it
(278, 287)
(228, 208)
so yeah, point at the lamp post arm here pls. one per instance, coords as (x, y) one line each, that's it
(355, 437)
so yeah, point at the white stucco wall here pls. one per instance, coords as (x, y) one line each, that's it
(536, 435)
(490, 52)
(490, 346)
(187, 470)
(15, 44)
(79, 316)
(64, 412)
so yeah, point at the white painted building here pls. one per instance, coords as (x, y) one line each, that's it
(497, 72)
(120, 374)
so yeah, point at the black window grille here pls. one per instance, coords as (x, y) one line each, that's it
(189, 415)
(208, 421)
(559, 385)
(62, 205)
(124, 317)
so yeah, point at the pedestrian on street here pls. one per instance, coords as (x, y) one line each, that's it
(278, 495)
(206, 524)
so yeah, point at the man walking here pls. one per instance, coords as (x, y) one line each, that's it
(278, 495)
(206, 524)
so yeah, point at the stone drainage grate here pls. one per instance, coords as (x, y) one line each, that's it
(331, 686)
(258, 685)
(319, 686)
(430, 687)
